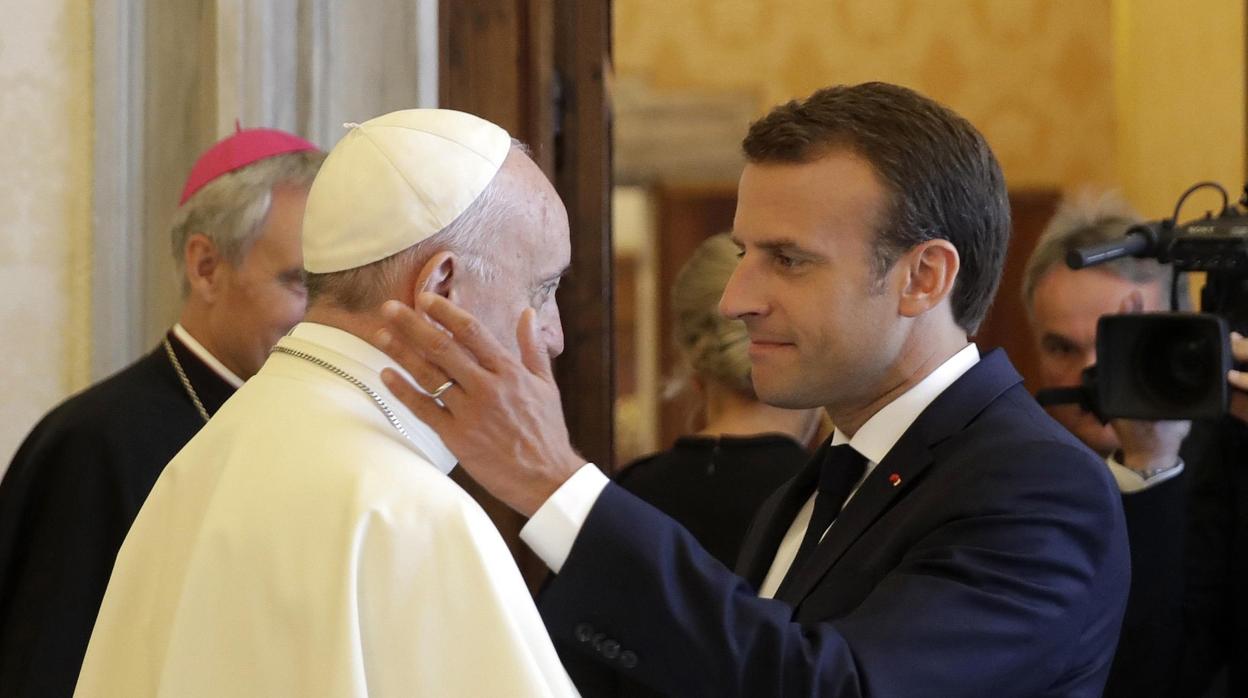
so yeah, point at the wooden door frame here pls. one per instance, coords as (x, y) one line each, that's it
(538, 68)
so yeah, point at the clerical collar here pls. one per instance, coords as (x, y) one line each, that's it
(365, 362)
(192, 345)
(880, 433)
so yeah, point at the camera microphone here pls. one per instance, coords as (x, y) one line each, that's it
(1139, 241)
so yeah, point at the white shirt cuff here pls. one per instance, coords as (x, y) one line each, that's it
(553, 528)
(1130, 482)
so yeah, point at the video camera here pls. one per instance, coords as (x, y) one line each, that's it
(1155, 366)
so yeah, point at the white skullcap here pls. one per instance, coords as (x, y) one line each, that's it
(395, 180)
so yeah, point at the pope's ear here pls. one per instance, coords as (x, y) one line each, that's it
(203, 265)
(436, 275)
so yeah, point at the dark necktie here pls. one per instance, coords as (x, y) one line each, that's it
(841, 469)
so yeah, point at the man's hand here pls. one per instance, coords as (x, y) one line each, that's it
(1149, 448)
(502, 418)
(1239, 379)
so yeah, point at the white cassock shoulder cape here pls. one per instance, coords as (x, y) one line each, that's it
(301, 546)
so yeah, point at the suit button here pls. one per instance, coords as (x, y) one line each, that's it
(628, 659)
(596, 641)
(610, 649)
(584, 632)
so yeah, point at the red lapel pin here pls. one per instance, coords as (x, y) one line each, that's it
(895, 479)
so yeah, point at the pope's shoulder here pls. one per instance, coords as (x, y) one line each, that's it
(328, 438)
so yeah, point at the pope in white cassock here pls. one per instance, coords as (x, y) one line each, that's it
(307, 541)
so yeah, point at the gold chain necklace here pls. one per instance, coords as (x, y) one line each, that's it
(186, 382)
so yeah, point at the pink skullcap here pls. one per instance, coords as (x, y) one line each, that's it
(239, 150)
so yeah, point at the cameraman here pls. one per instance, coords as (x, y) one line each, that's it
(1183, 495)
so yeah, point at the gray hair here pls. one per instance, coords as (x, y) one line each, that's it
(231, 209)
(711, 345)
(468, 236)
(1091, 218)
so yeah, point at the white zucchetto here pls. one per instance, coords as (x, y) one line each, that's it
(395, 180)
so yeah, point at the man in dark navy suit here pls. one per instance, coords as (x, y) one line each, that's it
(949, 540)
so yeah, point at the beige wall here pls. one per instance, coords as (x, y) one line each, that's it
(170, 83)
(45, 209)
(1034, 75)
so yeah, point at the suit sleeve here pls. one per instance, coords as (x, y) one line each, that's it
(1211, 598)
(1151, 641)
(986, 602)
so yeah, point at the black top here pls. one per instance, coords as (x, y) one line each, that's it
(1186, 627)
(713, 486)
(67, 501)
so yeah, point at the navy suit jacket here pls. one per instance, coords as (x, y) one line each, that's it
(997, 565)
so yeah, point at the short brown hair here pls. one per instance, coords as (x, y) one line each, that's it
(942, 178)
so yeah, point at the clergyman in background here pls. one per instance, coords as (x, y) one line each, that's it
(80, 477)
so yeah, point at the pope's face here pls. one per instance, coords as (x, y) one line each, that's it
(531, 254)
(263, 296)
(1066, 306)
(824, 331)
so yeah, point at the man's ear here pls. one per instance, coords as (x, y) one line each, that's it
(436, 275)
(204, 264)
(929, 269)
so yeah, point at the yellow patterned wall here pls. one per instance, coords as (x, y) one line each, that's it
(1034, 75)
(1179, 76)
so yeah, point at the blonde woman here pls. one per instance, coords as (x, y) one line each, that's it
(713, 481)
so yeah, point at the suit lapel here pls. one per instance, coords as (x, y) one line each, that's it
(773, 520)
(902, 467)
(907, 460)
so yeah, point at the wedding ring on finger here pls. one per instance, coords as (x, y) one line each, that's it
(437, 392)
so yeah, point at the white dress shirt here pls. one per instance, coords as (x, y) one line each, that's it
(1130, 482)
(205, 356)
(554, 527)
